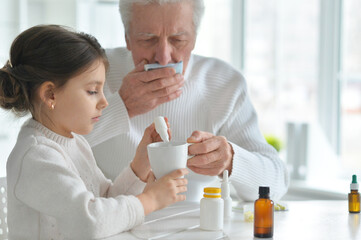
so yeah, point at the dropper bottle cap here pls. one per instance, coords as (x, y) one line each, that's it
(161, 128)
(225, 185)
(354, 184)
(263, 191)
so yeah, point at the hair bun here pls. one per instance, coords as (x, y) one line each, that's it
(13, 95)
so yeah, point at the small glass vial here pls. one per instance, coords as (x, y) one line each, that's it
(211, 209)
(226, 196)
(354, 196)
(263, 214)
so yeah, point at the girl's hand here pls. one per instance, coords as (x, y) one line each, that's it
(163, 192)
(140, 164)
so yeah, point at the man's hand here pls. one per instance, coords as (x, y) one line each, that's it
(142, 91)
(212, 154)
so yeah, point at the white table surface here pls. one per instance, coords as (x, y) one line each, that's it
(304, 220)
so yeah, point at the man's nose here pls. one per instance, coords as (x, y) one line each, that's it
(163, 52)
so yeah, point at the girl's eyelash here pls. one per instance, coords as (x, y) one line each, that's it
(92, 92)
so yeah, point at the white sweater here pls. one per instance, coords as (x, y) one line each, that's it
(214, 99)
(56, 190)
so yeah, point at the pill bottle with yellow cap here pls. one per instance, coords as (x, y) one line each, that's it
(212, 209)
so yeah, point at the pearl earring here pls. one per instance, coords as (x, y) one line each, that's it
(52, 106)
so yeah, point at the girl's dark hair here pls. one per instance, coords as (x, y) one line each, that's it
(44, 53)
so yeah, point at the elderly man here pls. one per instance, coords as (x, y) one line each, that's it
(207, 104)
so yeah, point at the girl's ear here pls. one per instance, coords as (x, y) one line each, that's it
(46, 94)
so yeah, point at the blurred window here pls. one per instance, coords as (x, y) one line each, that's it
(277, 44)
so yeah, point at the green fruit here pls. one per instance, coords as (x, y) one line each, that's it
(274, 142)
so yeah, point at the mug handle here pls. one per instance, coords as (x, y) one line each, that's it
(189, 156)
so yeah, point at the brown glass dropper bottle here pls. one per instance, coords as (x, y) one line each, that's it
(354, 197)
(263, 214)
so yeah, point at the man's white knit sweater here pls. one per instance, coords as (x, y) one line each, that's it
(56, 190)
(214, 99)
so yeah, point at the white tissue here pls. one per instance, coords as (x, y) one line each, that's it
(178, 67)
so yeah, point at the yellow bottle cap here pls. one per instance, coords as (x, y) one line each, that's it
(212, 192)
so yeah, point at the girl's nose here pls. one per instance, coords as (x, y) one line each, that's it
(103, 103)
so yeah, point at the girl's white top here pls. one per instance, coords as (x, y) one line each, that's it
(56, 190)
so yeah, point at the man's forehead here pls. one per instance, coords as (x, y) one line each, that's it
(147, 21)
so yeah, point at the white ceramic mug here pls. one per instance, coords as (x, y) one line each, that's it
(165, 157)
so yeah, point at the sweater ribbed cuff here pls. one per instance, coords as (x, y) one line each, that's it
(244, 172)
(138, 209)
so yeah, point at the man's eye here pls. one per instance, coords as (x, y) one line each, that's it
(150, 40)
(92, 92)
(178, 42)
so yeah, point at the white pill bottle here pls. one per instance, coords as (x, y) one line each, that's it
(212, 208)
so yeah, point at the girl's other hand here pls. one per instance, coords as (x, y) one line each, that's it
(165, 191)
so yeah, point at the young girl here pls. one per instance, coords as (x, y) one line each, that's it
(55, 189)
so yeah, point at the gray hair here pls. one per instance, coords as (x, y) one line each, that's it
(125, 9)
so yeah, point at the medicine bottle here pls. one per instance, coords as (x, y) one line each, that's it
(263, 214)
(211, 209)
(354, 196)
